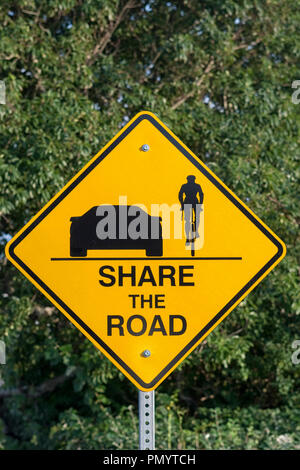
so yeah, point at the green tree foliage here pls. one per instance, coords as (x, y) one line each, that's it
(219, 73)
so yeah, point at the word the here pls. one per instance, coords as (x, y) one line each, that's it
(151, 301)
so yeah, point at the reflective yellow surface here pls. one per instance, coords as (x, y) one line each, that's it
(152, 177)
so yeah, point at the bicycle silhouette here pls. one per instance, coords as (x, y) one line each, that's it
(191, 199)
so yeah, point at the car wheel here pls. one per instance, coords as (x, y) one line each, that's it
(156, 250)
(78, 252)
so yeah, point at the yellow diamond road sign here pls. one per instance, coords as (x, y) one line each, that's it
(145, 250)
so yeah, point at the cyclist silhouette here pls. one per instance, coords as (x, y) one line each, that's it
(191, 197)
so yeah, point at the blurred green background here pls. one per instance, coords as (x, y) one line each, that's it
(219, 73)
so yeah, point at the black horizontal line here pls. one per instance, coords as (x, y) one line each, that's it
(210, 258)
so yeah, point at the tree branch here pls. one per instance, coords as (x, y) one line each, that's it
(283, 209)
(45, 387)
(251, 45)
(107, 36)
(198, 83)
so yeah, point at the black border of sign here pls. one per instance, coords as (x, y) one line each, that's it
(198, 165)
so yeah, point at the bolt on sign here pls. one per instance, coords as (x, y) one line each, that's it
(145, 250)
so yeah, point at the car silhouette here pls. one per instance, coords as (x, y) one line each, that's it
(87, 232)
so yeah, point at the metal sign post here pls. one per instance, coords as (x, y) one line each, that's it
(146, 420)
